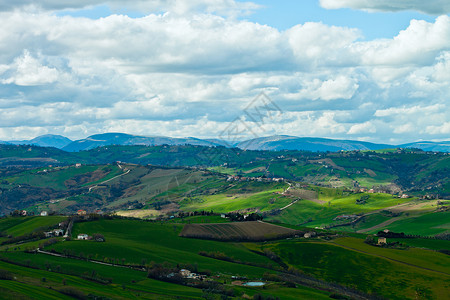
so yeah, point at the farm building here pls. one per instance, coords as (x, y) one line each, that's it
(381, 241)
(54, 232)
(185, 273)
(82, 236)
(309, 235)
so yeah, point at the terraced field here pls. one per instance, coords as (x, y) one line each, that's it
(237, 231)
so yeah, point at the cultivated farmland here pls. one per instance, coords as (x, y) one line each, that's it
(238, 231)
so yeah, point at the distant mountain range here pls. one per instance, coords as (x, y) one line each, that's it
(48, 140)
(278, 142)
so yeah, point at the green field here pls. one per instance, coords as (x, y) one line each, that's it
(23, 225)
(394, 274)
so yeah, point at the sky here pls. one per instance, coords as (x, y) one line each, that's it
(375, 71)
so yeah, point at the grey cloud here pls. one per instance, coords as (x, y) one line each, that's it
(432, 7)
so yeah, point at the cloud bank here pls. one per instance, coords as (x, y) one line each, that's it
(191, 74)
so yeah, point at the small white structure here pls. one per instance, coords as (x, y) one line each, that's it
(382, 241)
(58, 232)
(82, 236)
(44, 213)
(78, 165)
(223, 216)
(310, 234)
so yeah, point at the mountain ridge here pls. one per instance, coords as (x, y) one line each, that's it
(273, 143)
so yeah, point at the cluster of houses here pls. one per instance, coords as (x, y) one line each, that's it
(83, 236)
(54, 233)
(190, 275)
(345, 217)
(259, 179)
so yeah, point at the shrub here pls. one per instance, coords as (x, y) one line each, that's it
(72, 292)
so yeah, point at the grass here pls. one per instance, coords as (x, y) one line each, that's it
(30, 224)
(369, 271)
(126, 283)
(426, 224)
(262, 201)
(138, 240)
(54, 178)
(315, 214)
(424, 243)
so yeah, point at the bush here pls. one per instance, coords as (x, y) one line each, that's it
(72, 292)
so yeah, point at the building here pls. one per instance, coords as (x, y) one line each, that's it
(58, 232)
(44, 213)
(81, 212)
(382, 241)
(82, 236)
(185, 273)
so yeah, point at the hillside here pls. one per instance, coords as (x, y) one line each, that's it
(144, 260)
(394, 171)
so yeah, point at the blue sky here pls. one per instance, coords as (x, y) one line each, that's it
(348, 69)
(284, 14)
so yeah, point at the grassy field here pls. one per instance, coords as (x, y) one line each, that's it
(258, 201)
(322, 213)
(426, 224)
(23, 225)
(57, 178)
(136, 241)
(238, 231)
(394, 274)
(126, 284)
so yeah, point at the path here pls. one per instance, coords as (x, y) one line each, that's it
(289, 205)
(38, 250)
(96, 186)
(381, 225)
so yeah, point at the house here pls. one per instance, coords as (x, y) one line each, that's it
(185, 273)
(386, 231)
(82, 236)
(44, 213)
(78, 165)
(48, 234)
(404, 196)
(23, 212)
(223, 215)
(381, 241)
(81, 212)
(309, 235)
(58, 232)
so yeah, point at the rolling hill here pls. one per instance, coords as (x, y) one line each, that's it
(106, 139)
(48, 140)
(284, 142)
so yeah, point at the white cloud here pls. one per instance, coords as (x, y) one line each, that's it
(27, 71)
(189, 74)
(432, 7)
(363, 128)
(439, 129)
(181, 7)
